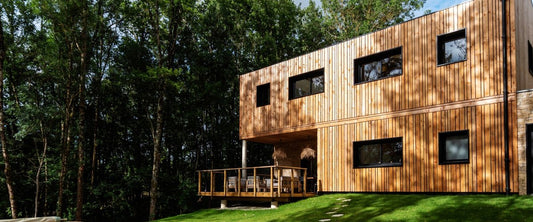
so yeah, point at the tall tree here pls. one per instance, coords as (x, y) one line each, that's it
(5, 154)
(351, 18)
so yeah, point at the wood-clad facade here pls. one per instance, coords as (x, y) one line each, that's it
(426, 99)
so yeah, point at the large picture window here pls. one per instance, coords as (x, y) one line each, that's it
(453, 147)
(378, 153)
(306, 84)
(263, 95)
(378, 66)
(451, 47)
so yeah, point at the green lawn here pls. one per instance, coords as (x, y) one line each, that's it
(382, 207)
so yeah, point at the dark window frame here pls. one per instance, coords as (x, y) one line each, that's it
(442, 147)
(359, 62)
(530, 57)
(262, 100)
(359, 144)
(310, 76)
(448, 37)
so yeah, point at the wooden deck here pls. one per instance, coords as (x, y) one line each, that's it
(270, 183)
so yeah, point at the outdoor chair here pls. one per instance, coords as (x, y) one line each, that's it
(232, 183)
(259, 185)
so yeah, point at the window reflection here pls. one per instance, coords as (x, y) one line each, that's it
(378, 66)
(452, 47)
(306, 84)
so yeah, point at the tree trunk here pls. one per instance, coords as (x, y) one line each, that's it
(84, 61)
(157, 156)
(64, 157)
(7, 167)
(37, 175)
(66, 139)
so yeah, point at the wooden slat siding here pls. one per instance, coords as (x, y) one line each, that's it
(422, 84)
(417, 177)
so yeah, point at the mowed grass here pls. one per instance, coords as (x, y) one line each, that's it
(382, 207)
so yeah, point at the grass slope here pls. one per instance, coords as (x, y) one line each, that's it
(382, 207)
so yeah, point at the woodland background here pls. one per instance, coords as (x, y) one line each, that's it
(105, 102)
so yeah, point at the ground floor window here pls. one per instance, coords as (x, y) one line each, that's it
(378, 153)
(453, 147)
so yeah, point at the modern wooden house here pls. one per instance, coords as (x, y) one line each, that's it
(416, 107)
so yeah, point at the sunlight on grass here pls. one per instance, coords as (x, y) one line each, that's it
(382, 207)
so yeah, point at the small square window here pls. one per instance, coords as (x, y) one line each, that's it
(530, 57)
(451, 47)
(263, 95)
(453, 147)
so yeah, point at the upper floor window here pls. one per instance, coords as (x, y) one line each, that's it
(453, 147)
(530, 56)
(378, 153)
(378, 66)
(306, 84)
(263, 95)
(451, 47)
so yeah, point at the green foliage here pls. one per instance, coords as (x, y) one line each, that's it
(348, 19)
(188, 52)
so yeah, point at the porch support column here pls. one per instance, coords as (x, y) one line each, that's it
(243, 158)
(223, 204)
(274, 204)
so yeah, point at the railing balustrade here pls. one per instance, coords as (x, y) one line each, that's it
(262, 181)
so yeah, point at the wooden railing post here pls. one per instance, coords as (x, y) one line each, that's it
(305, 182)
(199, 182)
(212, 183)
(279, 182)
(225, 183)
(255, 180)
(292, 182)
(239, 182)
(272, 182)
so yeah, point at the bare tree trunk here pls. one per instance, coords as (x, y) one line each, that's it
(66, 141)
(64, 157)
(157, 156)
(95, 143)
(45, 197)
(41, 159)
(84, 57)
(7, 167)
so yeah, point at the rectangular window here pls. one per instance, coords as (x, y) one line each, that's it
(453, 147)
(378, 66)
(530, 57)
(451, 47)
(378, 153)
(306, 84)
(263, 95)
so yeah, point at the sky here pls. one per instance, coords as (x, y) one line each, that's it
(433, 5)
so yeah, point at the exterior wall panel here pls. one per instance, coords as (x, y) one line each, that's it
(421, 171)
(425, 100)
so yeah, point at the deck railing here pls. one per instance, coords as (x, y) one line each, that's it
(262, 181)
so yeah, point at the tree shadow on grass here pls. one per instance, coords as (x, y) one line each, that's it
(481, 208)
(362, 207)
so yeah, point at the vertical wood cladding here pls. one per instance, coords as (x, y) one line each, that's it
(418, 104)
(420, 171)
(423, 83)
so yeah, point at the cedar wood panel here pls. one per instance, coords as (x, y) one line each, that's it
(425, 100)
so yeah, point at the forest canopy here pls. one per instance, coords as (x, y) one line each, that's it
(109, 106)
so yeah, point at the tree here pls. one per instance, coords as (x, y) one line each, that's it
(348, 19)
(144, 91)
(3, 140)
